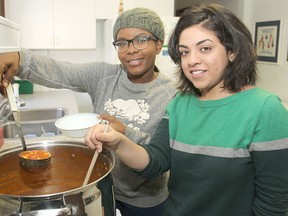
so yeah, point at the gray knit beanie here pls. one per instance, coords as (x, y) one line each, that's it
(142, 18)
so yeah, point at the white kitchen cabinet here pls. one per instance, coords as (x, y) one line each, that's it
(108, 9)
(54, 24)
(9, 40)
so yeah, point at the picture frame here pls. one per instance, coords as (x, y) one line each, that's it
(2, 8)
(267, 40)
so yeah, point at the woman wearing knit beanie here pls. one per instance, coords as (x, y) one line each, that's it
(138, 37)
(132, 96)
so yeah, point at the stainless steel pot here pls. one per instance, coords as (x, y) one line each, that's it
(58, 190)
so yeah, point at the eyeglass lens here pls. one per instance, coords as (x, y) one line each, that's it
(140, 42)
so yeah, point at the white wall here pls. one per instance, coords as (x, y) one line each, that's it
(274, 77)
(235, 5)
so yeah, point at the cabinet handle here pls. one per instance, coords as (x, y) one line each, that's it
(57, 40)
(52, 40)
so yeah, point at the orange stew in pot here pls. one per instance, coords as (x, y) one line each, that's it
(35, 154)
(67, 171)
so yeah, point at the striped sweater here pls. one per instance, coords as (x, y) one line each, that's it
(226, 157)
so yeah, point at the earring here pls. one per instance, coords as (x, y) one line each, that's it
(247, 80)
(231, 56)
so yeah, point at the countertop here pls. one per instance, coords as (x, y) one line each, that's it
(47, 99)
(13, 142)
(51, 99)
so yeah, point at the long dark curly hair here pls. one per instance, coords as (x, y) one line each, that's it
(232, 34)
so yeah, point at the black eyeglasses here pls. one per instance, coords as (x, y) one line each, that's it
(140, 42)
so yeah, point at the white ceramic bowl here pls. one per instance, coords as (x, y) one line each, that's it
(77, 125)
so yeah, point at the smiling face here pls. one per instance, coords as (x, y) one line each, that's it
(203, 60)
(139, 64)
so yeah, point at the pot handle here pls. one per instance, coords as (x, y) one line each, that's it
(46, 207)
(63, 211)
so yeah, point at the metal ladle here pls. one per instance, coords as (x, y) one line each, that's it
(14, 110)
(29, 165)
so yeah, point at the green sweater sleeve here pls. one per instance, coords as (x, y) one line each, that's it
(159, 151)
(270, 158)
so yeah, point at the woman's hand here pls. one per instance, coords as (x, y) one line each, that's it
(9, 65)
(132, 154)
(99, 137)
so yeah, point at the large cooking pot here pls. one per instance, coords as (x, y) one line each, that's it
(57, 190)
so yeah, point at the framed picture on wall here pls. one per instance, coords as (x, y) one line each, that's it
(267, 40)
(2, 8)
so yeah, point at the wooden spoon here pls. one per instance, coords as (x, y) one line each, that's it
(93, 161)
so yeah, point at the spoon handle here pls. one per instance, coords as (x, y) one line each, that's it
(93, 161)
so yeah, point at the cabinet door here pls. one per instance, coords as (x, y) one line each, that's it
(9, 40)
(54, 24)
(74, 24)
(35, 20)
